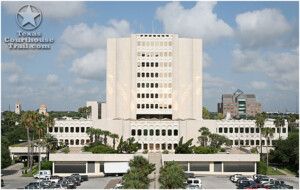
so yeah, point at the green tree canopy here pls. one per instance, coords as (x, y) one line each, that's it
(205, 113)
(184, 148)
(172, 176)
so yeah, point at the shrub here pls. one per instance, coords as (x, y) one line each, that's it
(165, 152)
(145, 152)
(47, 165)
(66, 150)
(101, 149)
(222, 150)
(261, 168)
(254, 150)
(204, 150)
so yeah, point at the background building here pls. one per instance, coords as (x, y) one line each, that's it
(239, 104)
(18, 108)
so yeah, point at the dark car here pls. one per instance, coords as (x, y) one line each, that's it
(190, 175)
(74, 180)
(241, 179)
(77, 176)
(255, 186)
(69, 184)
(31, 187)
(246, 184)
(85, 177)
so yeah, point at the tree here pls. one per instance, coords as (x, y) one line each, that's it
(105, 133)
(279, 122)
(137, 176)
(49, 122)
(28, 120)
(290, 119)
(86, 110)
(219, 116)
(184, 148)
(128, 146)
(91, 132)
(49, 141)
(114, 137)
(5, 155)
(172, 176)
(97, 133)
(204, 135)
(268, 133)
(260, 122)
(205, 113)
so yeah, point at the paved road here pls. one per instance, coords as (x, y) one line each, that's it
(12, 171)
(16, 183)
(155, 158)
(96, 183)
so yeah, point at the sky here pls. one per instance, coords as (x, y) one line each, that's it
(252, 46)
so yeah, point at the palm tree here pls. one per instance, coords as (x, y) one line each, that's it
(204, 135)
(48, 141)
(98, 133)
(49, 122)
(172, 176)
(28, 120)
(268, 133)
(105, 133)
(91, 133)
(291, 118)
(260, 122)
(114, 137)
(142, 163)
(279, 121)
(41, 129)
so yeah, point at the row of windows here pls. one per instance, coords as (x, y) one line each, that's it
(243, 112)
(153, 35)
(153, 43)
(154, 74)
(249, 142)
(248, 105)
(154, 95)
(151, 146)
(154, 106)
(245, 130)
(154, 54)
(156, 64)
(158, 132)
(68, 129)
(154, 85)
(74, 142)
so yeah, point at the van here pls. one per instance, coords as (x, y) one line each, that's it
(42, 174)
(194, 181)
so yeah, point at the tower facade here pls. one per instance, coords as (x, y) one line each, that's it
(154, 76)
(43, 109)
(18, 108)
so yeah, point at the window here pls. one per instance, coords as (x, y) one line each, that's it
(252, 130)
(132, 132)
(283, 130)
(257, 130)
(175, 132)
(151, 146)
(157, 146)
(138, 95)
(55, 129)
(169, 146)
(163, 146)
(138, 85)
(138, 106)
(163, 132)
(50, 129)
(231, 130)
(157, 132)
(236, 130)
(82, 142)
(72, 129)
(139, 132)
(278, 130)
(252, 142)
(138, 74)
(72, 142)
(151, 132)
(77, 129)
(61, 129)
(225, 130)
(169, 132)
(241, 130)
(145, 146)
(145, 132)
(247, 130)
(66, 129)
(257, 142)
(220, 130)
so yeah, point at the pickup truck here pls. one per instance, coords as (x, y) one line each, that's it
(53, 179)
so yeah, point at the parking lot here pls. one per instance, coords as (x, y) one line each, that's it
(208, 182)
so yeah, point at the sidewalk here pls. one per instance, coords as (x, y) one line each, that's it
(12, 171)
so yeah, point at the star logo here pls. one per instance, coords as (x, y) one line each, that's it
(29, 17)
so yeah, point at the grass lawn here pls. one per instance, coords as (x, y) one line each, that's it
(288, 170)
(274, 172)
(34, 171)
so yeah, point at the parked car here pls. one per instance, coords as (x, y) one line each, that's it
(190, 175)
(55, 178)
(42, 174)
(239, 177)
(2, 183)
(77, 176)
(69, 184)
(259, 177)
(233, 178)
(267, 180)
(194, 181)
(85, 177)
(58, 187)
(192, 187)
(74, 180)
(256, 186)
(245, 184)
(31, 187)
(281, 187)
(275, 182)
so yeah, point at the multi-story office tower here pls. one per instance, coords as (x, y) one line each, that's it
(154, 76)
(239, 104)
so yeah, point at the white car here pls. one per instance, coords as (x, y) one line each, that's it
(267, 180)
(194, 181)
(234, 178)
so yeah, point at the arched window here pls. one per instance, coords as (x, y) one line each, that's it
(225, 130)
(132, 132)
(157, 132)
(163, 132)
(175, 132)
(145, 132)
(220, 130)
(139, 132)
(151, 132)
(169, 132)
(230, 130)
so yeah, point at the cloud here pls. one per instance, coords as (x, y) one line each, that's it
(90, 38)
(265, 28)
(257, 85)
(210, 82)
(207, 62)
(11, 67)
(282, 68)
(66, 53)
(80, 81)
(18, 79)
(52, 79)
(50, 9)
(198, 22)
(90, 66)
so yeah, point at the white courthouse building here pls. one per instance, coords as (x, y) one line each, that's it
(154, 94)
